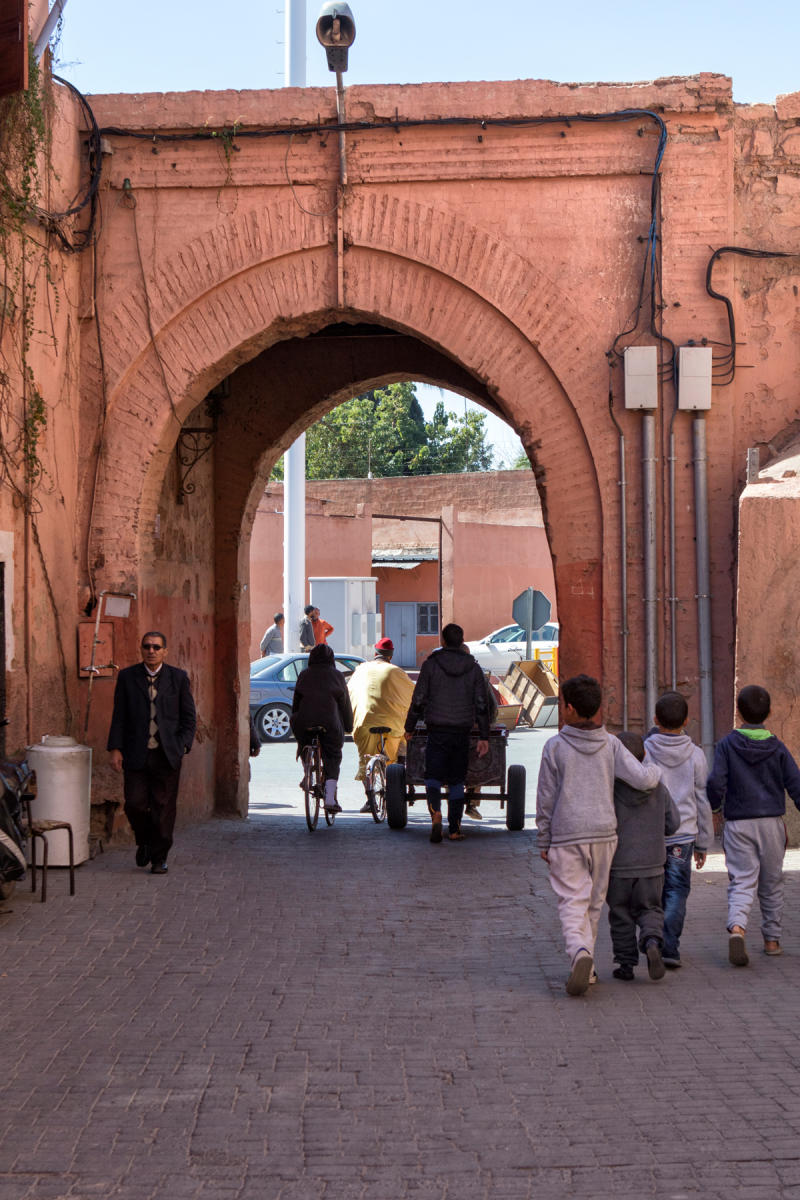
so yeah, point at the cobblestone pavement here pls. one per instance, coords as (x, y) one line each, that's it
(359, 1015)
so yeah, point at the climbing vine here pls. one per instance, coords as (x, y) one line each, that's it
(25, 161)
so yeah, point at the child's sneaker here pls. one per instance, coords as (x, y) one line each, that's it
(623, 971)
(771, 947)
(655, 963)
(737, 951)
(673, 962)
(579, 976)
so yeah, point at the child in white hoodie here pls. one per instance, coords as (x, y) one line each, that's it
(684, 771)
(576, 819)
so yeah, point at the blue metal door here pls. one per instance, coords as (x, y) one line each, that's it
(401, 627)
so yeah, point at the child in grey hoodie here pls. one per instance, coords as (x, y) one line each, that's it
(576, 819)
(684, 771)
(637, 871)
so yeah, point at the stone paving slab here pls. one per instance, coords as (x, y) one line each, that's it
(359, 1014)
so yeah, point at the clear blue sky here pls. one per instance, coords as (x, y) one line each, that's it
(166, 45)
(175, 45)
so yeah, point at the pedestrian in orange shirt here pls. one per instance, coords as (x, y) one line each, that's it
(321, 628)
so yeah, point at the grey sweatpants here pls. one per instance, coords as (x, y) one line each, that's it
(754, 850)
(579, 878)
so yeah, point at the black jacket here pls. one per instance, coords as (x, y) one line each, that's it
(130, 720)
(321, 698)
(451, 691)
(750, 777)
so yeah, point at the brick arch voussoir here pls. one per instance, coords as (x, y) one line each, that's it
(221, 330)
(447, 314)
(199, 267)
(574, 475)
(489, 266)
(270, 265)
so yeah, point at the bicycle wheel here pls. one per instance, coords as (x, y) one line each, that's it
(378, 795)
(311, 785)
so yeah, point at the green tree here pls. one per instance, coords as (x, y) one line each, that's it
(384, 432)
(454, 444)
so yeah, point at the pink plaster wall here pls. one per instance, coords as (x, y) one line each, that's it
(768, 648)
(515, 258)
(494, 546)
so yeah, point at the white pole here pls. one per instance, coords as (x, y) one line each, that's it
(46, 32)
(295, 69)
(294, 540)
(294, 485)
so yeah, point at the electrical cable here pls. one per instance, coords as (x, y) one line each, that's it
(51, 220)
(321, 128)
(727, 362)
(309, 212)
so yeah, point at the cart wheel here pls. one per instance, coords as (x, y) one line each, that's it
(396, 803)
(515, 803)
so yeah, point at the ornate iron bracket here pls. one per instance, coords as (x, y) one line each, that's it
(195, 441)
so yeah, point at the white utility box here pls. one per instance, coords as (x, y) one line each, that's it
(349, 604)
(694, 377)
(641, 377)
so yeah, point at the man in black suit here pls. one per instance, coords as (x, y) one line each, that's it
(152, 727)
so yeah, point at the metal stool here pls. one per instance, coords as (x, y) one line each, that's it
(38, 829)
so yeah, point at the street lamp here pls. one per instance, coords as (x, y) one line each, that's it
(336, 31)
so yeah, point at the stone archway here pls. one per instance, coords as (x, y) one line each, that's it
(267, 279)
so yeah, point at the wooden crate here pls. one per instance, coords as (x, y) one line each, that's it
(532, 685)
(508, 715)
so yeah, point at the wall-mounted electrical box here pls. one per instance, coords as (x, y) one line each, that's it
(641, 377)
(694, 377)
(349, 604)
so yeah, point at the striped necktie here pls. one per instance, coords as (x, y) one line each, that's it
(152, 689)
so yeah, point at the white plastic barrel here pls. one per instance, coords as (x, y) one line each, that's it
(63, 793)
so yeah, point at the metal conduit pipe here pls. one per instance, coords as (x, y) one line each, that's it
(699, 458)
(623, 502)
(649, 557)
(673, 574)
(623, 569)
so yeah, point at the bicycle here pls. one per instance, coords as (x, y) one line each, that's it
(313, 784)
(375, 777)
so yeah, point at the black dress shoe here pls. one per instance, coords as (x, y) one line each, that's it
(159, 868)
(142, 856)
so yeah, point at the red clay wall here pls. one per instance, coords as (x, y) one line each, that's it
(501, 262)
(42, 536)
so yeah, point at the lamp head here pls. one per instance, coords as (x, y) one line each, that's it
(336, 31)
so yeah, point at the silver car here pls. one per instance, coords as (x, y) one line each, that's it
(498, 651)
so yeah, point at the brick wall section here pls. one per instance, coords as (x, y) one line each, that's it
(506, 264)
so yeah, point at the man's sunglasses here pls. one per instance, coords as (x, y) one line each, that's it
(151, 646)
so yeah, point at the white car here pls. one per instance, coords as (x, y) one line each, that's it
(498, 651)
